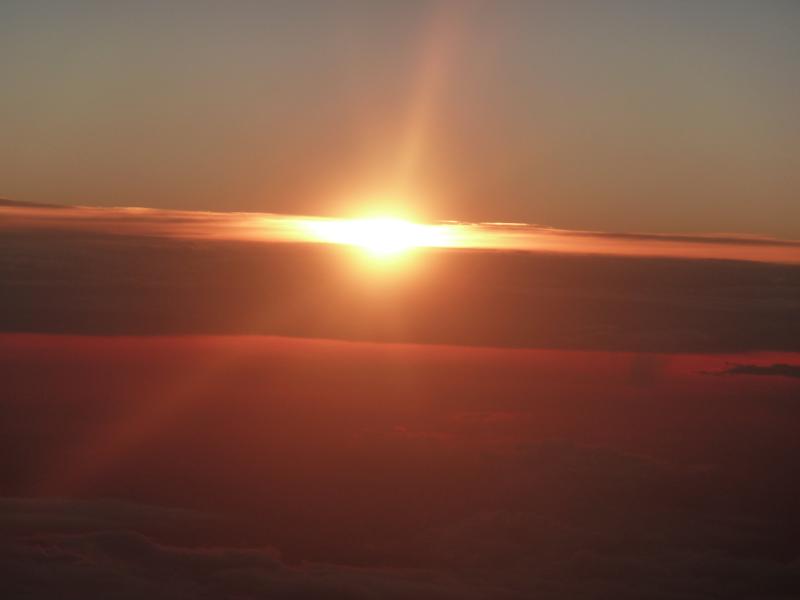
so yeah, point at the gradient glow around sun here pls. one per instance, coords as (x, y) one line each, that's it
(379, 236)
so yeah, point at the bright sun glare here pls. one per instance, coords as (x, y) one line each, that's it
(379, 236)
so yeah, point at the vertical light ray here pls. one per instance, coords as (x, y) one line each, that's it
(436, 55)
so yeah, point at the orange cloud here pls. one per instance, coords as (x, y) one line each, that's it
(268, 227)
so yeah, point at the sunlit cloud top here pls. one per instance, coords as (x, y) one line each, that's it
(385, 235)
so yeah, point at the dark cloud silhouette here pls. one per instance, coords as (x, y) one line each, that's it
(775, 370)
(721, 239)
(18, 204)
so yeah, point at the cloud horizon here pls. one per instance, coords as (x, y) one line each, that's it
(272, 227)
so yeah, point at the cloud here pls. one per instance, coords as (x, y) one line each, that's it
(344, 452)
(104, 557)
(773, 370)
(147, 222)
(719, 246)
(710, 238)
(16, 204)
(523, 548)
(65, 516)
(267, 227)
(321, 469)
(94, 282)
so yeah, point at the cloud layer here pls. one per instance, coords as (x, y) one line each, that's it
(105, 271)
(265, 227)
(472, 460)
(322, 469)
(776, 370)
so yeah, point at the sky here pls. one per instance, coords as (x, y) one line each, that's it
(630, 116)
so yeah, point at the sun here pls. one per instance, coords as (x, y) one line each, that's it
(382, 236)
(378, 236)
